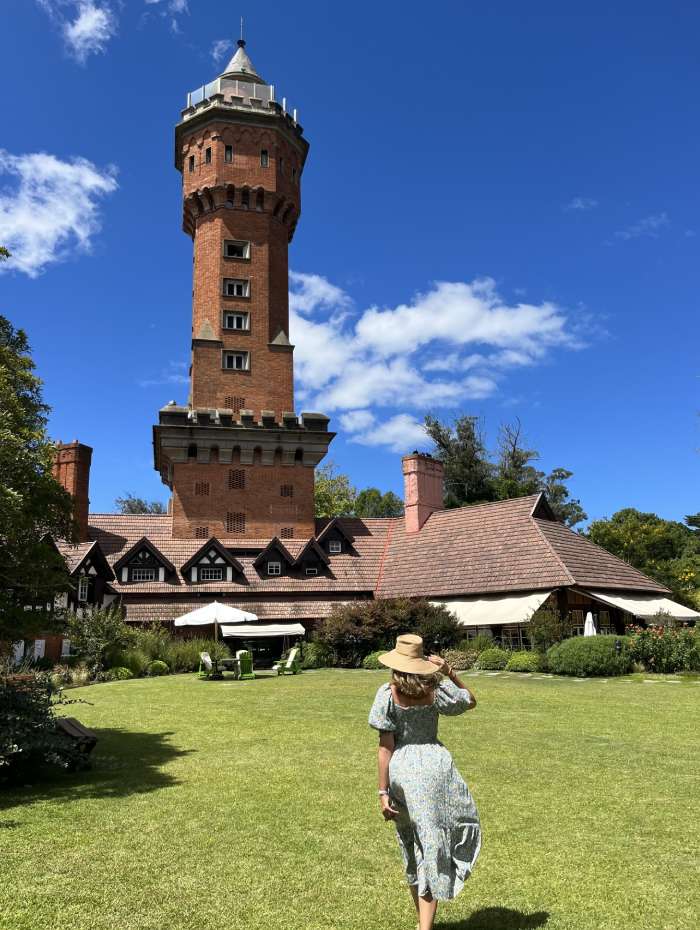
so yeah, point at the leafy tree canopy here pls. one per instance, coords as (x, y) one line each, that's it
(473, 474)
(33, 505)
(132, 504)
(372, 503)
(333, 493)
(666, 550)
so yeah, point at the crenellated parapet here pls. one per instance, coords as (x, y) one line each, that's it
(258, 199)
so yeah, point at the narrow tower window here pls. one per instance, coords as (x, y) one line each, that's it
(236, 248)
(245, 199)
(228, 154)
(264, 158)
(190, 163)
(236, 361)
(240, 321)
(207, 156)
(236, 287)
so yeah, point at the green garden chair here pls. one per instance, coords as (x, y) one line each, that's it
(291, 665)
(245, 664)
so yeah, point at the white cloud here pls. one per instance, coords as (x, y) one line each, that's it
(52, 210)
(86, 25)
(413, 357)
(402, 433)
(175, 373)
(170, 10)
(581, 203)
(219, 49)
(648, 226)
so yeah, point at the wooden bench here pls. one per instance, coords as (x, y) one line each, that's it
(84, 738)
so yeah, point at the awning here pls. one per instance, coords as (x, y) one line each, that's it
(646, 605)
(492, 611)
(250, 630)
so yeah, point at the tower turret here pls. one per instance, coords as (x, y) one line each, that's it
(237, 458)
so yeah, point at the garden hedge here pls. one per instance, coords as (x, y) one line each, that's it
(585, 656)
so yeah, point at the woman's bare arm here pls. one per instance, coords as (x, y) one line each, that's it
(454, 677)
(384, 754)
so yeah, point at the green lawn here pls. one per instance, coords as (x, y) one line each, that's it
(252, 804)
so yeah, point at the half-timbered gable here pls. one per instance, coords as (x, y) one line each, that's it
(211, 563)
(143, 563)
(335, 538)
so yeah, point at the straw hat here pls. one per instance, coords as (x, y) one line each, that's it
(407, 656)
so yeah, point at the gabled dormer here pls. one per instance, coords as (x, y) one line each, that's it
(274, 560)
(312, 560)
(335, 538)
(211, 563)
(91, 573)
(143, 563)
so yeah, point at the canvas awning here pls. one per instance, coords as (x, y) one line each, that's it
(493, 611)
(249, 630)
(646, 605)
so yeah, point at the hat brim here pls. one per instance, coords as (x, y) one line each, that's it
(409, 664)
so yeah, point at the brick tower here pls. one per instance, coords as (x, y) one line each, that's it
(238, 459)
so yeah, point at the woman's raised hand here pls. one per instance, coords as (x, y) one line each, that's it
(442, 665)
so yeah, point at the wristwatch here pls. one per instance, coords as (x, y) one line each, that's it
(383, 791)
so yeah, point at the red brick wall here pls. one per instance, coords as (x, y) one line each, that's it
(267, 512)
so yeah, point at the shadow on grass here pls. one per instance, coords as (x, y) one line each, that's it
(123, 763)
(497, 918)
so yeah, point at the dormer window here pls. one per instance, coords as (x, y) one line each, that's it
(311, 572)
(142, 574)
(213, 562)
(143, 562)
(335, 546)
(83, 588)
(211, 574)
(274, 568)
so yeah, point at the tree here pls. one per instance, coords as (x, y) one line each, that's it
(93, 634)
(372, 503)
(333, 494)
(461, 449)
(131, 504)
(471, 476)
(34, 508)
(666, 550)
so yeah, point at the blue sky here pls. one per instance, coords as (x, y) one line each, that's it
(500, 217)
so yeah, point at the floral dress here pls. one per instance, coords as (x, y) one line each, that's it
(438, 824)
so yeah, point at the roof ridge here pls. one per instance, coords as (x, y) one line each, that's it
(466, 507)
(551, 548)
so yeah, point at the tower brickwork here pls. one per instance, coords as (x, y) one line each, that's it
(237, 458)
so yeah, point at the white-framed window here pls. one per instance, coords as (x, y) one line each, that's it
(236, 320)
(236, 361)
(143, 574)
(311, 572)
(335, 546)
(274, 568)
(39, 649)
(83, 588)
(236, 248)
(236, 287)
(208, 573)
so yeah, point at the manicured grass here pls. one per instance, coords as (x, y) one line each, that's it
(252, 805)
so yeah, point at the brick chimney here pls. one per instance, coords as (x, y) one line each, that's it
(72, 470)
(423, 478)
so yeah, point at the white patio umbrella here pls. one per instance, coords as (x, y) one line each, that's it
(589, 626)
(215, 613)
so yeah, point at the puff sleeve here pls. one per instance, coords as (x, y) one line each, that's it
(381, 716)
(451, 700)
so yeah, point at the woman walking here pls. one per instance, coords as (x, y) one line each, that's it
(420, 789)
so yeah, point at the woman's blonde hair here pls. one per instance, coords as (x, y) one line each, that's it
(415, 686)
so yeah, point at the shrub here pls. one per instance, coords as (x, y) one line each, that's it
(183, 655)
(156, 668)
(460, 659)
(154, 641)
(547, 627)
(523, 662)
(664, 649)
(590, 655)
(316, 655)
(28, 735)
(120, 673)
(97, 634)
(478, 644)
(371, 661)
(493, 658)
(353, 630)
(135, 660)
